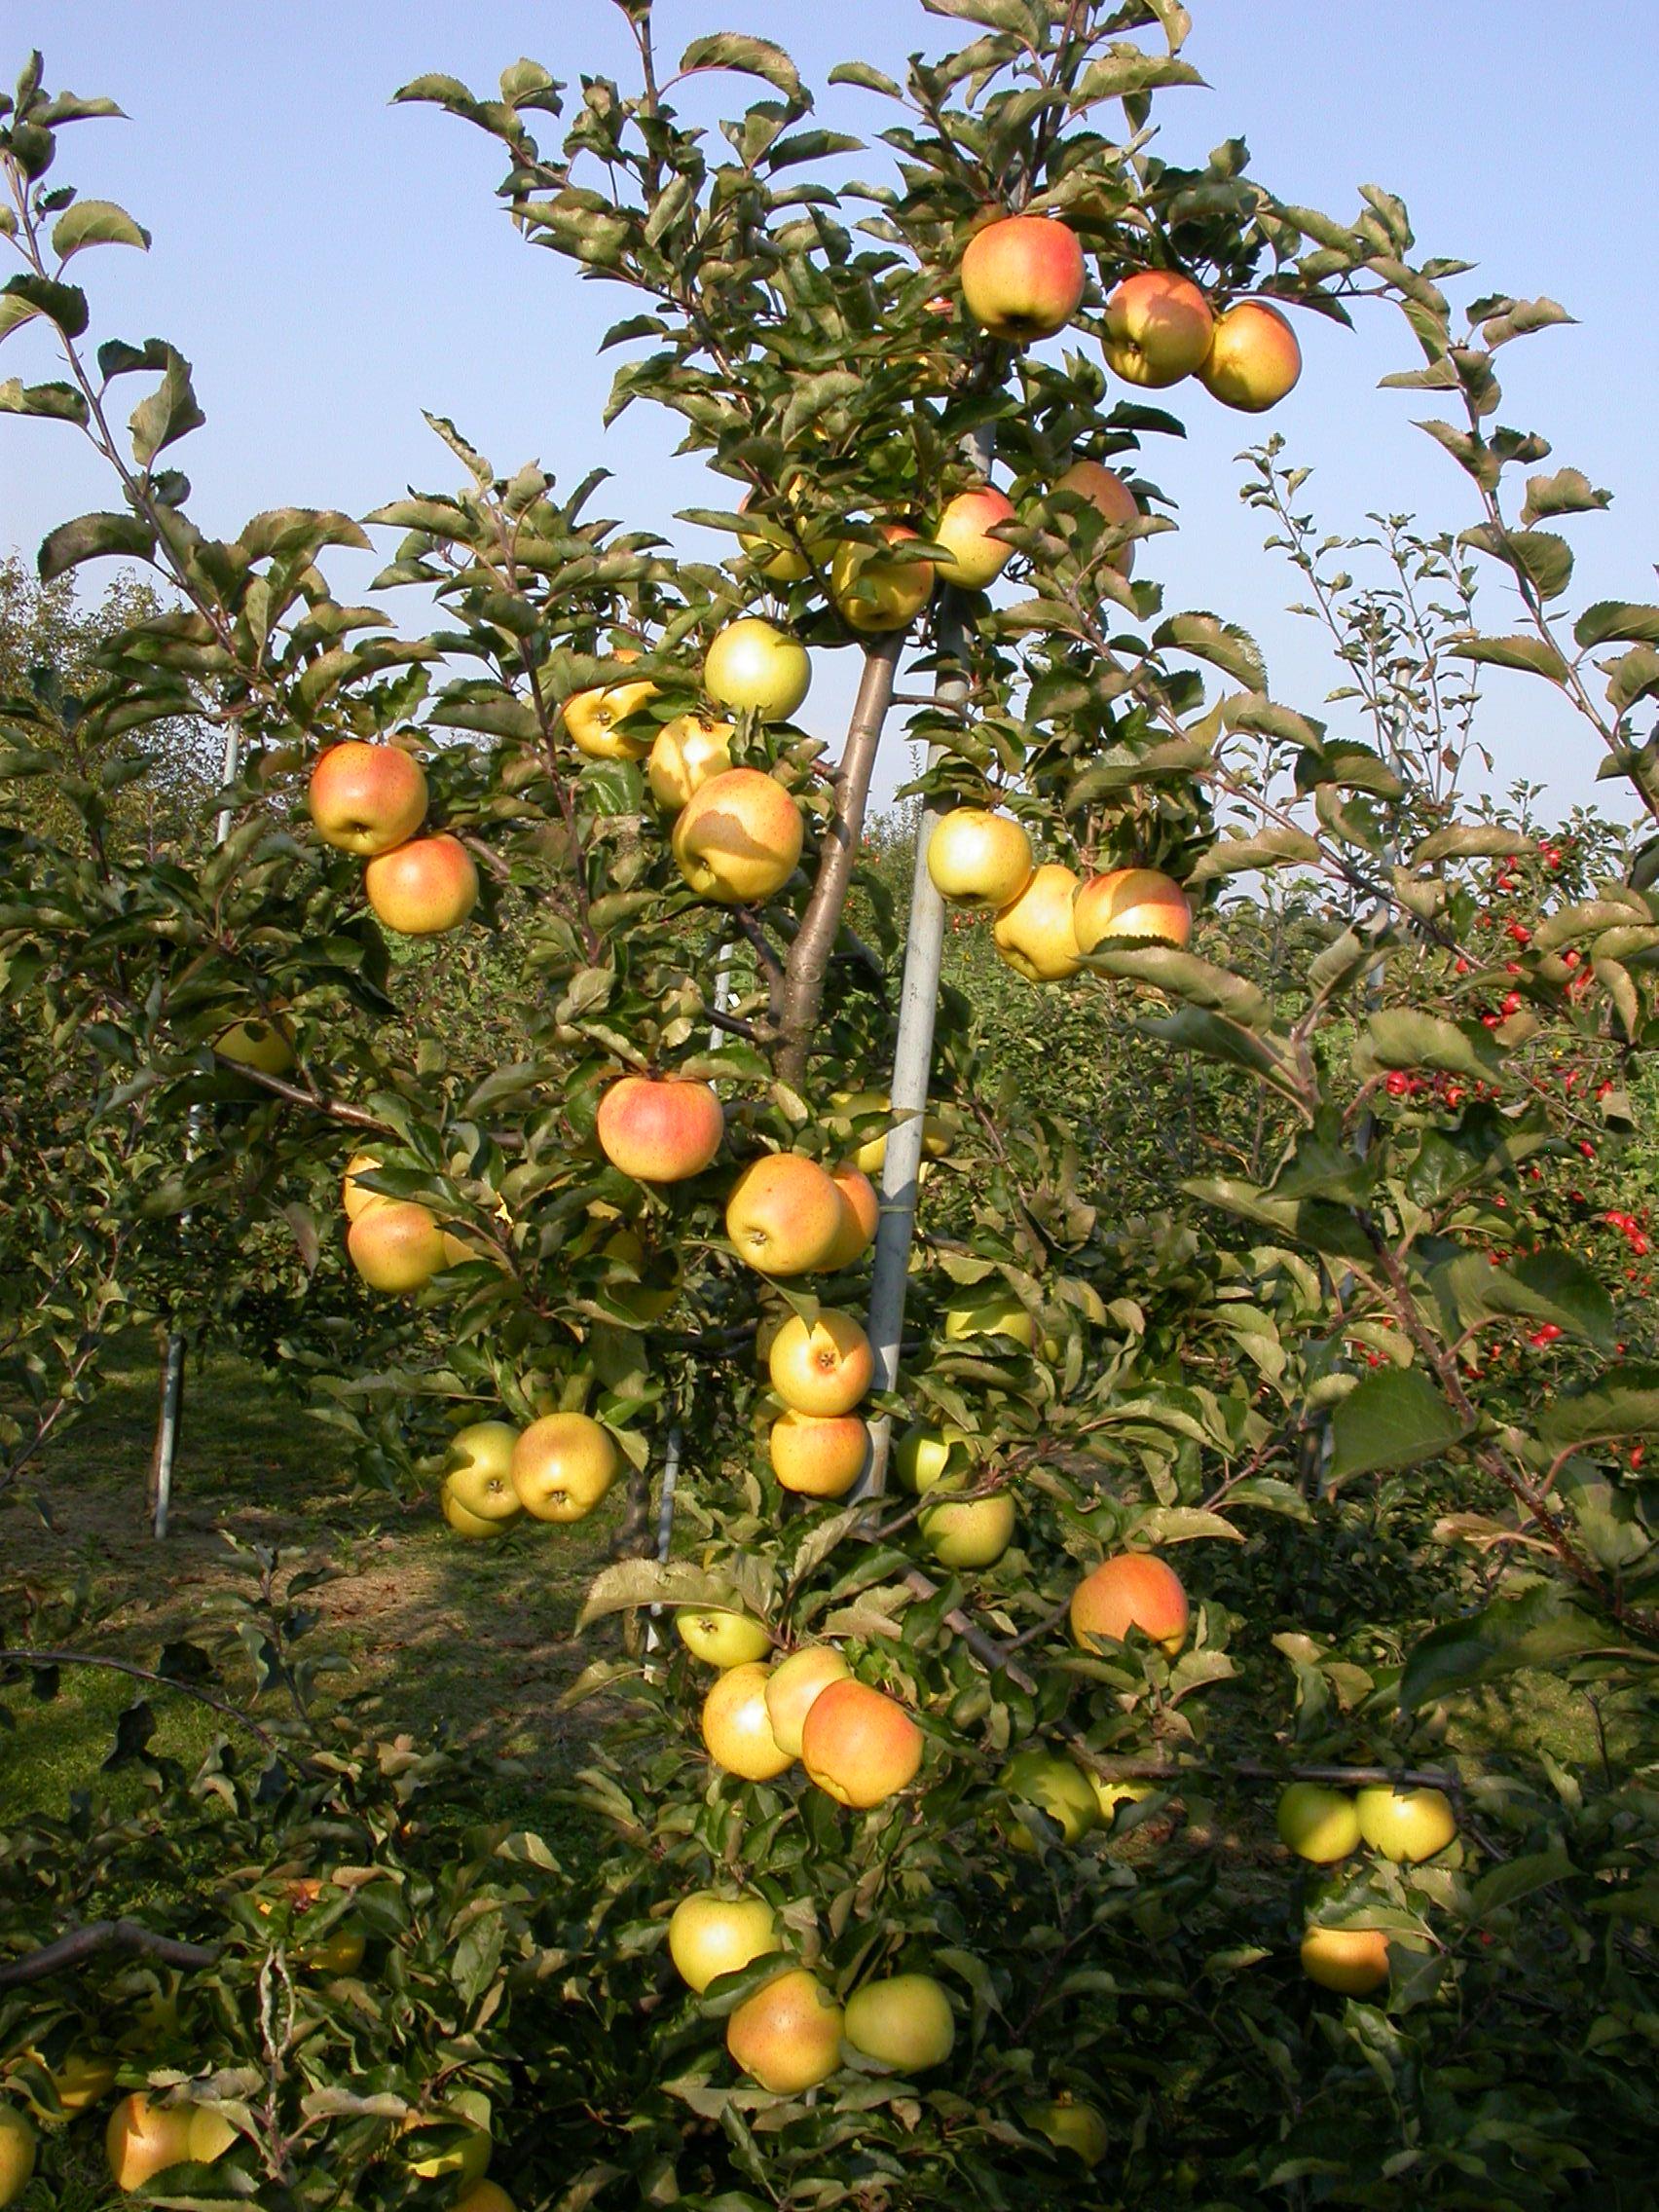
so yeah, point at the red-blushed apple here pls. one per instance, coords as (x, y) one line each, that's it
(978, 860)
(818, 1454)
(1070, 2124)
(751, 667)
(1023, 277)
(796, 1685)
(422, 887)
(737, 1729)
(1158, 328)
(721, 1637)
(685, 753)
(265, 1046)
(1132, 903)
(1319, 1825)
(873, 593)
(822, 1367)
(1134, 1590)
(366, 799)
(659, 1129)
(479, 1470)
(1405, 1824)
(860, 1744)
(395, 1244)
(563, 1465)
(1110, 497)
(710, 1934)
(1034, 933)
(783, 1215)
(593, 718)
(788, 2036)
(976, 559)
(738, 837)
(969, 1531)
(1351, 1961)
(903, 2020)
(1254, 359)
(860, 1211)
(1057, 1788)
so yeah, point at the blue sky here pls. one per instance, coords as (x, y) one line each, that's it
(333, 264)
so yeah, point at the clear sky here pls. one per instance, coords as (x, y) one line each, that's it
(333, 264)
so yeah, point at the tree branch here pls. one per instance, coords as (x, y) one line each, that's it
(104, 1935)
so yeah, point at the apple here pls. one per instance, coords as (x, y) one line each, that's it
(720, 1636)
(1158, 328)
(352, 1196)
(1132, 903)
(976, 559)
(366, 799)
(144, 2137)
(475, 1527)
(904, 2020)
(1022, 277)
(1351, 1961)
(422, 887)
(872, 1153)
(1134, 1590)
(592, 719)
(860, 1211)
(16, 2154)
(994, 1313)
(81, 2078)
(752, 668)
(1405, 1824)
(737, 1730)
(1254, 359)
(685, 753)
(465, 2160)
(860, 1744)
(563, 1465)
(1109, 1796)
(778, 563)
(785, 1216)
(822, 1367)
(738, 837)
(1318, 1825)
(973, 1531)
(709, 1936)
(794, 1686)
(1034, 932)
(660, 1130)
(922, 1455)
(1111, 499)
(648, 1298)
(818, 1456)
(788, 2036)
(483, 2197)
(479, 1472)
(1057, 1788)
(395, 1244)
(978, 860)
(1070, 2124)
(876, 594)
(265, 1046)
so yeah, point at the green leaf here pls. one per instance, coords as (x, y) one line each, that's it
(752, 57)
(168, 414)
(1469, 841)
(1184, 976)
(95, 222)
(1623, 1401)
(870, 80)
(1530, 655)
(1617, 620)
(1542, 558)
(634, 1582)
(1206, 636)
(1518, 1878)
(1543, 1628)
(1550, 1285)
(1394, 1419)
(24, 297)
(60, 402)
(88, 537)
(1568, 492)
(1403, 1038)
(1286, 846)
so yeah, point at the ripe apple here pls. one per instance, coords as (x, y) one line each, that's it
(267, 1046)
(16, 2154)
(860, 1211)
(922, 1455)
(479, 1470)
(794, 1686)
(976, 559)
(1022, 277)
(465, 2160)
(592, 717)
(737, 1729)
(366, 799)
(1072, 2126)
(1318, 1823)
(778, 563)
(1109, 1796)
(738, 837)
(1110, 497)
(788, 2036)
(1057, 1788)
(872, 593)
(819, 1456)
(1254, 359)
(1158, 328)
(709, 1936)
(563, 1465)
(720, 1636)
(872, 1153)
(1132, 1589)
(660, 1130)
(685, 753)
(1351, 1961)
(474, 1526)
(903, 2021)
(973, 1531)
(783, 1217)
(649, 1297)
(422, 887)
(752, 668)
(1034, 932)
(395, 1244)
(824, 1367)
(352, 1196)
(991, 1313)
(144, 2137)
(483, 2197)
(1405, 1824)
(1132, 903)
(978, 860)
(860, 1744)
(81, 2078)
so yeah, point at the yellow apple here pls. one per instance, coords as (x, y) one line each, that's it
(1351, 1961)
(1110, 497)
(709, 1936)
(721, 1637)
(872, 1153)
(1057, 1788)
(366, 799)
(752, 668)
(978, 860)
(794, 1686)
(465, 2160)
(973, 1531)
(976, 559)
(1132, 903)
(1109, 1796)
(592, 719)
(738, 837)
(265, 1046)
(352, 1196)
(818, 1456)
(563, 1465)
(483, 2197)
(1318, 1825)
(685, 753)
(422, 887)
(991, 1314)
(479, 1472)
(785, 1216)
(1254, 359)
(1134, 1590)
(1405, 1824)
(395, 1244)
(1158, 328)
(474, 1526)
(922, 1455)
(1023, 277)
(860, 1211)
(824, 1367)
(860, 1744)
(16, 2154)
(1034, 932)
(81, 2078)
(788, 2036)
(903, 2021)
(873, 593)
(660, 1130)
(144, 2137)
(778, 563)
(1072, 2126)
(737, 1730)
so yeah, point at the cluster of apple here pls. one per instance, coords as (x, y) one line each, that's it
(1324, 1824)
(371, 799)
(557, 1469)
